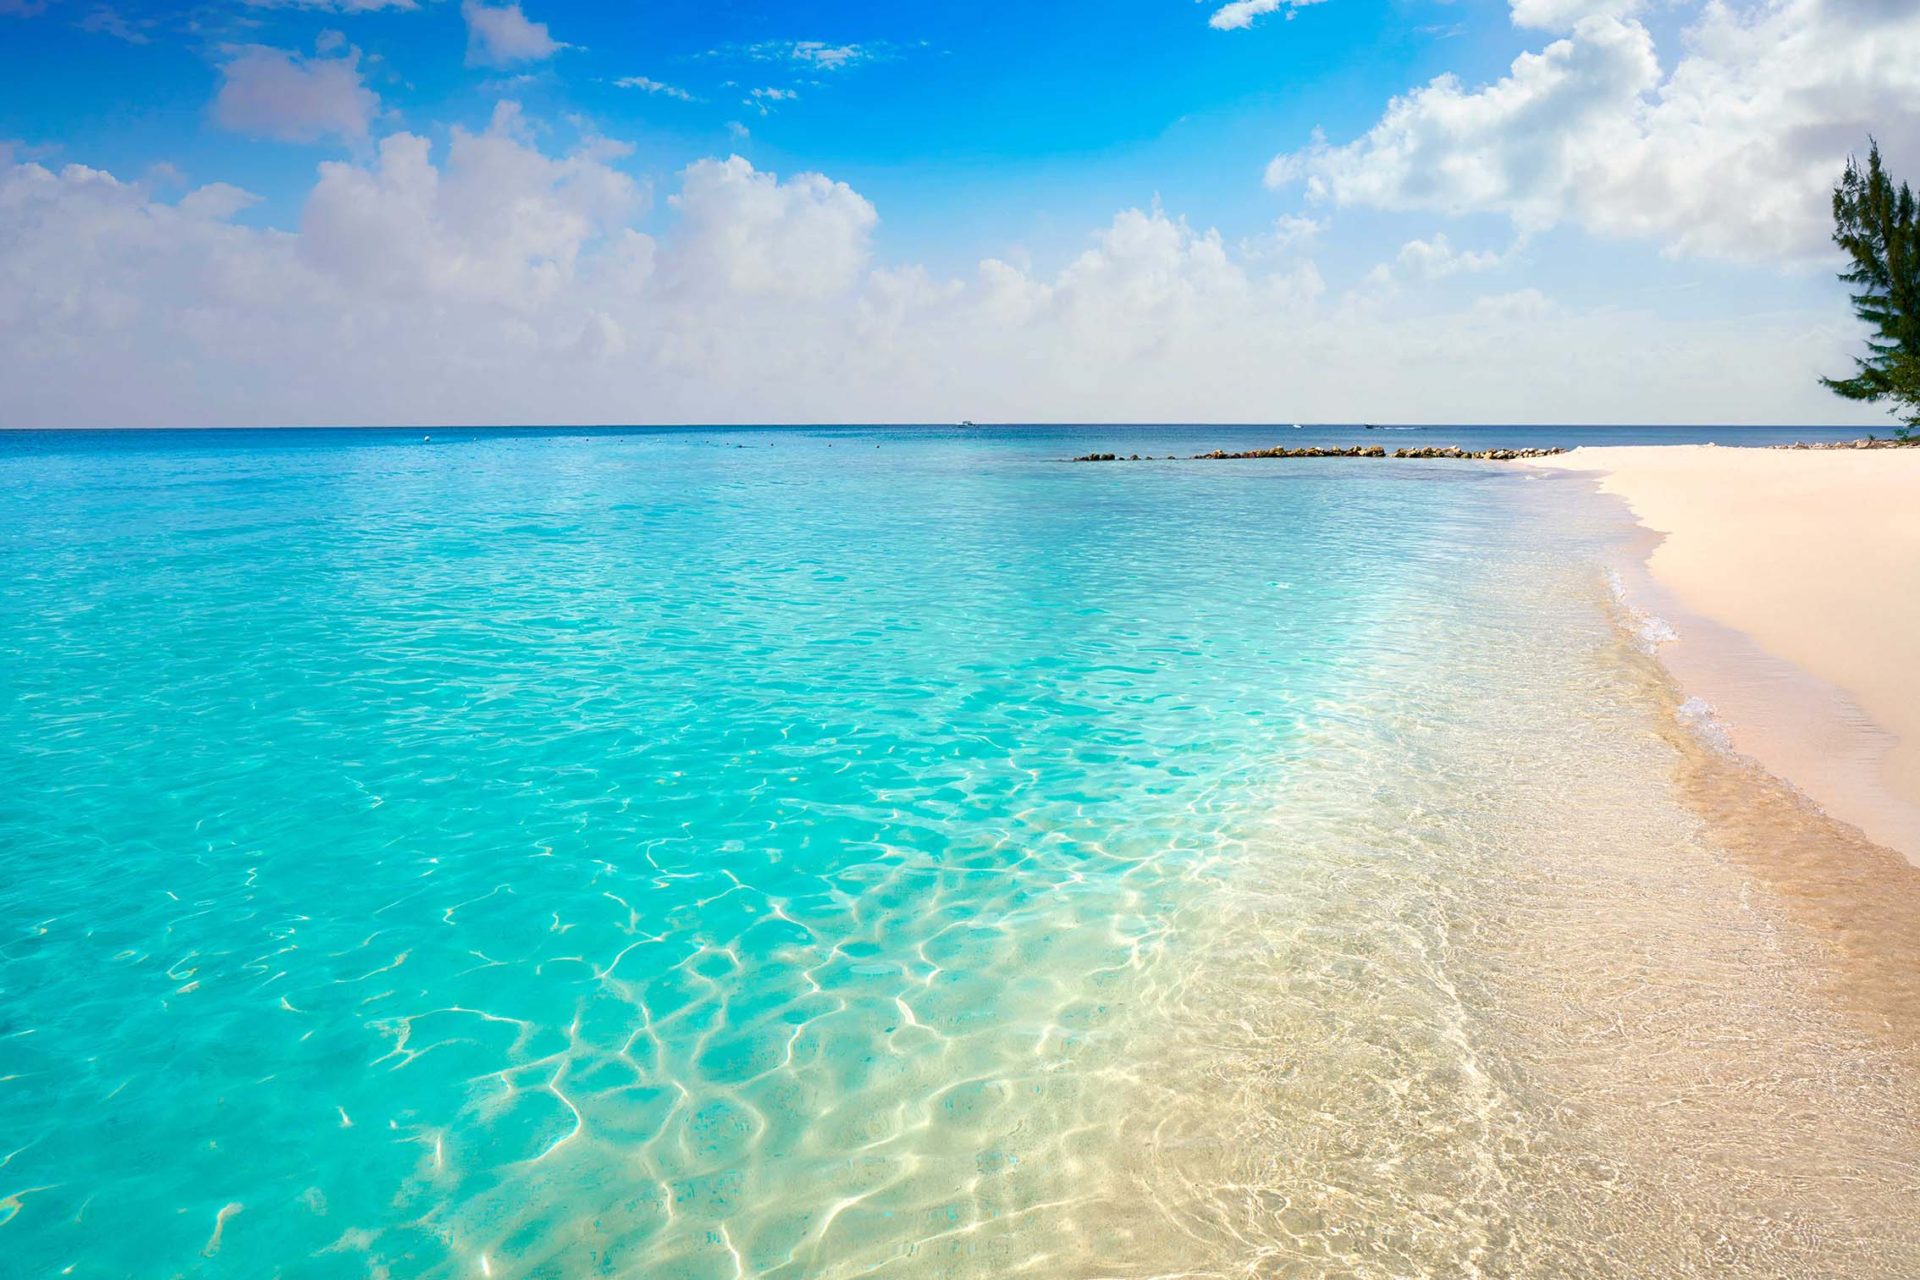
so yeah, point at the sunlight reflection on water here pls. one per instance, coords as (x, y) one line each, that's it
(599, 856)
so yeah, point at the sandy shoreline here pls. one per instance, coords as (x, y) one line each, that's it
(1792, 580)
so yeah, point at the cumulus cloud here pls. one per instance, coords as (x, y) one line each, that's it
(502, 35)
(1731, 154)
(276, 93)
(1564, 15)
(216, 202)
(1433, 259)
(747, 232)
(1521, 146)
(501, 222)
(1290, 232)
(497, 281)
(1240, 14)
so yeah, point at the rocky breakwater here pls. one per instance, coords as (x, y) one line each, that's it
(1871, 442)
(1483, 455)
(1351, 451)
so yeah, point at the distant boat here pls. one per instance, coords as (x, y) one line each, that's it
(1369, 426)
(967, 423)
(1296, 426)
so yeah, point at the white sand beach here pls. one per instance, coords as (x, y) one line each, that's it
(1801, 557)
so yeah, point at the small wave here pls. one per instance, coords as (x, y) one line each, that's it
(1696, 713)
(1649, 629)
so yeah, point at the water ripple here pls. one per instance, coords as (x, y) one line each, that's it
(578, 857)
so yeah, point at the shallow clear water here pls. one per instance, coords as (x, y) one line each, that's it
(846, 851)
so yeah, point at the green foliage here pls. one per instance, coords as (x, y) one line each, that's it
(1878, 226)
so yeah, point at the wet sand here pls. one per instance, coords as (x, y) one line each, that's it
(1791, 580)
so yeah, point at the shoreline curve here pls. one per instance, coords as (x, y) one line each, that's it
(1790, 582)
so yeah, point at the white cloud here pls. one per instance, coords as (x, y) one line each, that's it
(108, 21)
(501, 223)
(216, 202)
(275, 93)
(764, 100)
(747, 232)
(646, 84)
(1240, 14)
(1564, 15)
(1436, 259)
(1732, 154)
(1520, 146)
(500, 282)
(818, 54)
(334, 6)
(499, 36)
(1290, 232)
(829, 57)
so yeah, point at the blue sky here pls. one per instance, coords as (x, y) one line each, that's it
(1644, 176)
(1003, 119)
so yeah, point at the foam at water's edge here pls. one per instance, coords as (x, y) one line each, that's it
(1744, 699)
(1858, 900)
(1649, 629)
(1696, 713)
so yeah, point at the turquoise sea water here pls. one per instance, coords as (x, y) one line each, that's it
(810, 852)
